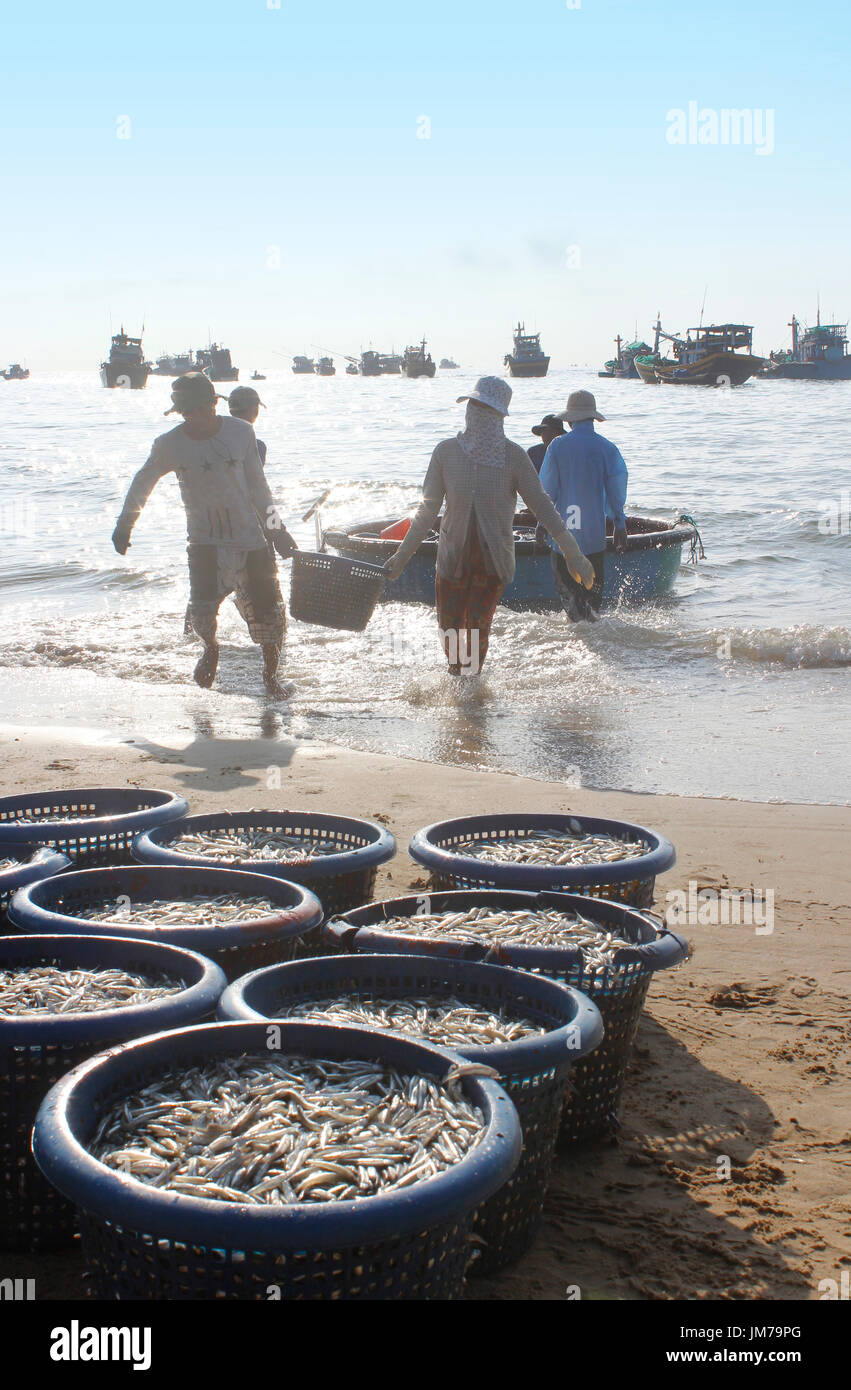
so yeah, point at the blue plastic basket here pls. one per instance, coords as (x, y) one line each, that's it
(630, 880)
(341, 880)
(596, 1084)
(50, 906)
(532, 1070)
(32, 862)
(35, 1052)
(142, 1242)
(93, 825)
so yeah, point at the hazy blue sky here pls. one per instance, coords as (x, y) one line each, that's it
(548, 188)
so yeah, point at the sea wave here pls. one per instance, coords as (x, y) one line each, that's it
(807, 646)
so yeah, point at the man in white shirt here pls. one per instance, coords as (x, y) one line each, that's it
(231, 522)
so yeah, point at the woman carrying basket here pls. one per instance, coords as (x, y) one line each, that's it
(479, 473)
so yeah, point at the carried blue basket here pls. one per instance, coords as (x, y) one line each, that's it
(342, 878)
(630, 881)
(596, 1084)
(281, 934)
(532, 1070)
(143, 1242)
(28, 863)
(36, 1050)
(93, 825)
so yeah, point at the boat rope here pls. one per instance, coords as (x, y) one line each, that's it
(697, 551)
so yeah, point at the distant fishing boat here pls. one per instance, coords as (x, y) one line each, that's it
(352, 369)
(447, 365)
(712, 357)
(818, 354)
(175, 364)
(418, 362)
(215, 362)
(370, 363)
(257, 376)
(527, 359)
(390, 364)
(126, 365)
(623, 366)
(647, 569)
(16, 373)
(304, 366)
(325, 367)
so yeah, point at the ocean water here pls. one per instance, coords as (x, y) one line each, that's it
(737, 684)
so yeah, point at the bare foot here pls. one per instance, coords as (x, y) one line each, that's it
(205, 671)
(275, 688)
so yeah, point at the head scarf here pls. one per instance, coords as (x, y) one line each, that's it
(483, 437)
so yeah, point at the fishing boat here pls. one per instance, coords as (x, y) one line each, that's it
(447, 365)
(418, 362)
(527, 359)
(711, 357)
(818, 354)
(352, 369)
(175, 364)
(325, 367)
(647, 569)
(16, 373)
(390, 364)
(126, 365)
(623, 366)
(370, 363)
(257, 376)
(214, 361)
(304, 366)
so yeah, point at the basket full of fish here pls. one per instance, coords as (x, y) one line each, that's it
(94, 825)
(545, 851)
(335, 856)
(62, 999)
(303, 1161)
(607, 951)
(530, 1029)
(25, 863)
(334, 592)
(240, 920)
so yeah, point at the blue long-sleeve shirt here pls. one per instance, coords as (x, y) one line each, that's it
(586, 478)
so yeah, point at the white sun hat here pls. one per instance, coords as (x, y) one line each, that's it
(491, 391)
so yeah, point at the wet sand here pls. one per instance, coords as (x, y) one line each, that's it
(742, 1052)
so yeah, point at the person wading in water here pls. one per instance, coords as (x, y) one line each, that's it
(480, 474)
(231, 521)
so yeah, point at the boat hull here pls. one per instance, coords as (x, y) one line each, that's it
(812, 371)
(715, 369)
(115, 374)
(647, 569)
(413, 372)
(516, 368)
(647, 372)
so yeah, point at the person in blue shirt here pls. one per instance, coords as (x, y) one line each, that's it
(586, 478)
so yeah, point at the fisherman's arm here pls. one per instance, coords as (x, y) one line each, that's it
(261, 495)
(615, 482)
(530, 488)
(424, 520)
(155, 467)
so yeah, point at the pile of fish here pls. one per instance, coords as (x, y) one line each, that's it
(243, 843)
(51, 813)
(47, 989)
(200, 911)
(447, 1021)
(556, 847)
(290, 1129)
(515, 928)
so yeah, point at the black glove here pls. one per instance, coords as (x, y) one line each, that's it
(121, 540)
(283, 542)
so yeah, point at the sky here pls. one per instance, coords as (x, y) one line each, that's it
(282, 175)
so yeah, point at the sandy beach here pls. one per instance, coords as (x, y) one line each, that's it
(742, 1051)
